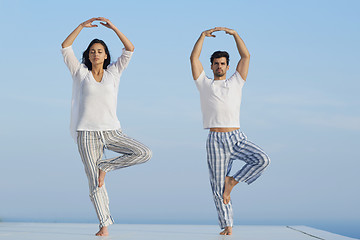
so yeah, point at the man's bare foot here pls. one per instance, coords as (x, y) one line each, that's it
(230, 182)
(101, 177)
(227, 231)
(102, 232)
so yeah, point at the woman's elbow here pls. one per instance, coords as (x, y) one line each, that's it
(131, 49)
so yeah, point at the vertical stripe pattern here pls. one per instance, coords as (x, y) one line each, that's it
(91, 147)
(222, 149)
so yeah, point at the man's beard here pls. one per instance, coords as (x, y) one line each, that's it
(218, 74)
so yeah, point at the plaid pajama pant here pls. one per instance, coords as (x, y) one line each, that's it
(222, 149)
(91, 146)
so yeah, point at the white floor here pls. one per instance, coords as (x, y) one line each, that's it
(70, 231)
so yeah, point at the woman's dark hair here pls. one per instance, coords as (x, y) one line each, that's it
(85, 57)
(220, 54)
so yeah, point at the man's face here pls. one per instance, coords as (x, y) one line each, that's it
(219, 66)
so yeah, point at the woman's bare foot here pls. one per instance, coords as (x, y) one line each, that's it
(102, 232)
(101, 178)
(227, 231)
(230, 182)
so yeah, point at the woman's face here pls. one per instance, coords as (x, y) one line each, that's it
(97, 54)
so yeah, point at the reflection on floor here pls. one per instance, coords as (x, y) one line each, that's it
(75, 231)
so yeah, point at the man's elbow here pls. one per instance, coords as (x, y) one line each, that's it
(246, 56)
(193, 58)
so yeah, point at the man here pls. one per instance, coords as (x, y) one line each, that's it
(220, 105)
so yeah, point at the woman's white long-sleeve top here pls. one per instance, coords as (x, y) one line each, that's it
(93, 104)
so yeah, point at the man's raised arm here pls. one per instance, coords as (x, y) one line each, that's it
(243, 65)
(196, 66)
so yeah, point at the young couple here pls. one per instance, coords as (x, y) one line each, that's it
(95, 126)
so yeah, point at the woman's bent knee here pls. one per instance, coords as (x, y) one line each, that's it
(144, 155)
(147, 154)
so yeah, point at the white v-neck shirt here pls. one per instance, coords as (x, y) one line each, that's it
(220, 100)
(94, 103)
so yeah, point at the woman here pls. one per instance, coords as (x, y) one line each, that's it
(94, 123)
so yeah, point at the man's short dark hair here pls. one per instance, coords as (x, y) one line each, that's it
(220, 54)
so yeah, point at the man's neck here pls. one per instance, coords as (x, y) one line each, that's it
(220, 78)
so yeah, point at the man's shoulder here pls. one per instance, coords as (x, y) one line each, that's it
(202, 77)
(237, 77)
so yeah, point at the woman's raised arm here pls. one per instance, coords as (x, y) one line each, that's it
(71, 38)
(127, 44)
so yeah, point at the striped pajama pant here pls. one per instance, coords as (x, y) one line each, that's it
(91, 146)
(222, 149)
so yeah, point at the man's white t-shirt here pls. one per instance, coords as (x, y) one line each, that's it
(220, 100)
(93, 105)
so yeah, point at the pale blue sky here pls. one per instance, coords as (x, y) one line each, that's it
(300, 104)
